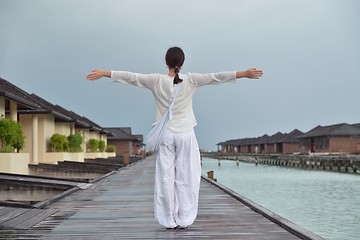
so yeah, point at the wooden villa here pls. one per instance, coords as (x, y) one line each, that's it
(125, 142)
(338, 138)
(39, 120)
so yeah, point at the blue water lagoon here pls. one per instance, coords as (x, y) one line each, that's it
(326, 203)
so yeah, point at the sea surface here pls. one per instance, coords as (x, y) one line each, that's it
(325, 203)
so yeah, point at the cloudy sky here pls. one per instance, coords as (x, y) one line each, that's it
(309, 52)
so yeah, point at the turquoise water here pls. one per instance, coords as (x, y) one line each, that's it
(325, 203)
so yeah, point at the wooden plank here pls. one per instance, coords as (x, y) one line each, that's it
(30, 218)
(23, 218)
(5, 210)
(13, 213)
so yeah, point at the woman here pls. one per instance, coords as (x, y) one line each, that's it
(178, 167)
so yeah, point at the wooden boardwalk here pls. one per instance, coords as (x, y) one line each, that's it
(121, 207)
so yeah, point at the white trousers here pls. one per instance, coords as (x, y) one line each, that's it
(177, 180)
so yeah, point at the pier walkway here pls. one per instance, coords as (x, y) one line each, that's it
(120, 206)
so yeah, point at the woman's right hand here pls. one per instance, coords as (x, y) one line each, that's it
(97, 74)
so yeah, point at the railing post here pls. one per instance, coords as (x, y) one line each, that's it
(210, 174)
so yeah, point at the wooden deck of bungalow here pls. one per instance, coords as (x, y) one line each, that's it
(120, 206)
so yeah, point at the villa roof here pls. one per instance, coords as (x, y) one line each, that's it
(94, 126)
(250, 141)
(230, 142)
(66, 115)
(342, 129)
(50, 108)
(34, 104)
(263, 139)
(245, 141)
(290, 137)
(123, 134)
(79, 122)
(10, 91)
(275, 138)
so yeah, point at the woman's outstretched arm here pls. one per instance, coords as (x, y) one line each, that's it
(97, 74)
(252, 73)
(136, 79)
(224, 77)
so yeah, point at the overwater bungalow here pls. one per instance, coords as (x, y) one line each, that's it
(272, 144)
(289, 143)
(338, 138)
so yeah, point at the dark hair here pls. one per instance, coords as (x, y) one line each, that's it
(175, 58)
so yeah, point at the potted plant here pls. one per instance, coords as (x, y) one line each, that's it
(93, 145)
(59, 143)
(11, 136)
(75, 141)
(102, 146)
(12, 141)
(110, 148)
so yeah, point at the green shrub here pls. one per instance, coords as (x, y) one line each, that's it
(59, 143)
(11, 135)
(7, 149)
(93, 145)
(102, 146)
(110, 148)
(75, 141)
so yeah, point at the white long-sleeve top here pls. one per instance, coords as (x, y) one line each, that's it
(163, 90)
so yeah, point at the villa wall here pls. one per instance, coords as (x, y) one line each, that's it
(46, 128)
(349, 144)
(25, 121)
(63, 128)
(86, 137)
(291, 148)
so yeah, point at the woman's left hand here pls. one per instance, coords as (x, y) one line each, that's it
(253, 73)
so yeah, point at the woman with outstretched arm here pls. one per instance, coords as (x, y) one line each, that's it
(178, 167)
